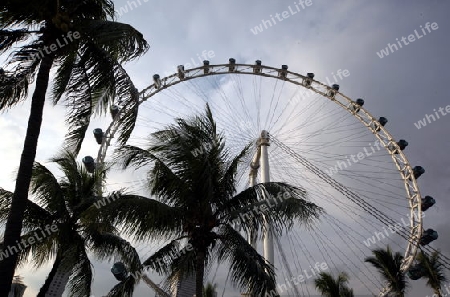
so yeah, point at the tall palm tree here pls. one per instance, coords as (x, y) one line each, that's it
(82, 43)
(388, 265)
(330, 287)
(63, 205)
(433, 271)
(195, 203)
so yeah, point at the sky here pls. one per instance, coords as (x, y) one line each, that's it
(403, 83)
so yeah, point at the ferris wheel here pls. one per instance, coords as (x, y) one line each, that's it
(307, 134)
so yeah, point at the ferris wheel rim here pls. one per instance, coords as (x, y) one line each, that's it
(329, 92)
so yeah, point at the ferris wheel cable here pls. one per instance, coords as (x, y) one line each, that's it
(343, 190)
(384, 185)
(286, 170)
(316, 114)
(240, 92)
(276, 107)
(393, 196)
(285, 262)
(277, 166)
(348, 260)
(306, 123)
(286, 107)
(355, 244)
(233, 112)
(271, 102)
(322, 248)
(298, 265)
(180, 98)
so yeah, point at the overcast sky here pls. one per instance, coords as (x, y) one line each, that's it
(404, 85)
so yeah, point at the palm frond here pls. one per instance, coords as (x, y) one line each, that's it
(5, 204)
(228, 180)
(117, 39)
(81, 276)
(42, 249)
(163, 259)
(35, 216)
(433, 269)
(10, 37)
(129, 155)
(248, 269)
(388, 265)
(67, 64)
(46, 189)
(124, 288)
(108, 245)
(141, 217)
(280, 204)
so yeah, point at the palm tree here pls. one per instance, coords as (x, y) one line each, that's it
(196, 204)
(388, 265)
(64, 204)
(330, 287)
(433, 271)
(79, 40)
(210, 290)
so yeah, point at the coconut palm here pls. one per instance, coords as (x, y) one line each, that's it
(195, 206)
(63, 204)
(331, 287)
(209, 290)
(433, 271)
(84, 46)
(388, 265)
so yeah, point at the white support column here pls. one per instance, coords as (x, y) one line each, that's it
(265, 177)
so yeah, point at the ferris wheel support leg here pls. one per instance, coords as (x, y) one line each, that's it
(265, 178)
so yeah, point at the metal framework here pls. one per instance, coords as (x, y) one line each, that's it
(330, 93)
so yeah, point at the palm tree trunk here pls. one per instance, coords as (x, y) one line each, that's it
(199, 274)
(20, 197)
(50, 277)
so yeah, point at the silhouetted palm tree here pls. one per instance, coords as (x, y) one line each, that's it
(64, 204)
(388, 265)
(433, 271)
(330, 287)
(209, 290)
(84, 47)
(196, 203)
